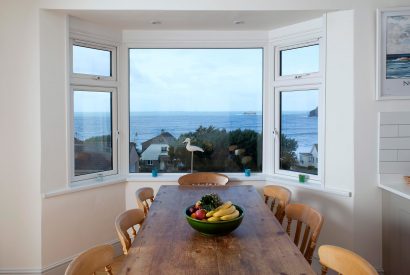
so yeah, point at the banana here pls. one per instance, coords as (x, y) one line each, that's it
(224, 206)
(210, 213)
(230, 216)
(225, 211)
(213, 219)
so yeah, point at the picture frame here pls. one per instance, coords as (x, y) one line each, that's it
(393, 54)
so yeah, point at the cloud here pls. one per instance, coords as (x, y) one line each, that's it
(398, 34)
(196, 79)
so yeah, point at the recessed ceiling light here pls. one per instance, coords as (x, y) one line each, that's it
(237, 22)
(156, 22)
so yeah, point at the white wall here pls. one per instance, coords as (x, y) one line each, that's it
(188, 5)
(54, 100)
(20, 201)
(79, 220)
(367, 197)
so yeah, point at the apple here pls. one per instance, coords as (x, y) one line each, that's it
(200, 214)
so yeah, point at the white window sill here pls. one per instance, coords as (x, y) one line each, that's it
(146, 177)
(310, 184)
(234, 177)
(86, 185)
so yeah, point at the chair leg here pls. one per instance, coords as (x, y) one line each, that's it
(288, 226)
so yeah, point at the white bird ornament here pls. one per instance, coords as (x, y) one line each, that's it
(192, 149)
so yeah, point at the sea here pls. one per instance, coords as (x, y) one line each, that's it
(146, 125)
(397, 66)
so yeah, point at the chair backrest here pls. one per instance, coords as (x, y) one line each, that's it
(203, 178)
(92, 260)
(144, 197)
(279, 194)
(125, 221)
(343, 261)
(313, 222)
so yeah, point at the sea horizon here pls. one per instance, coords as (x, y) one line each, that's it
(146, 125)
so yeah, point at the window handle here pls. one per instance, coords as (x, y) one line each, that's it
(275, 133)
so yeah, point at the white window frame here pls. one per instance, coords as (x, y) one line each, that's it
(114, 130)
(87, 82)
(317, 178)
(78, 77)
(307, 81)
(307, 43)
(201, 44)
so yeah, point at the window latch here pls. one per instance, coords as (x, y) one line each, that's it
(275, 133)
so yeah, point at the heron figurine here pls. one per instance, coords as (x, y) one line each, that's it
(192, 149)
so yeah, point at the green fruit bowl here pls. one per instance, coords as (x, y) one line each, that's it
(215, 228)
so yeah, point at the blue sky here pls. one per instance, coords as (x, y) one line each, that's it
(297, 101)
(88, 102)
(196, 79)
(190, 80)
(295, 61)
(91, 61)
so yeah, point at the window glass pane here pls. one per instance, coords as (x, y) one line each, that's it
(211, 96)
(92, 132)
(299, 60)
(299, 131)
(91, 61)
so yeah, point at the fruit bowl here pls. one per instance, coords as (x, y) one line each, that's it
(216, 228)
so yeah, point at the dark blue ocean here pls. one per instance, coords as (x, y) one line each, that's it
(297, 125)
(398, 66)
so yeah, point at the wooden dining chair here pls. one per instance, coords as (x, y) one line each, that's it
(92, 260)
(279, 194)
(312, 221)
(203, 178)
(343, 261)
(126, 221)
(144, 197)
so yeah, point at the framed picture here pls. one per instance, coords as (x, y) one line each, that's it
(393, 54)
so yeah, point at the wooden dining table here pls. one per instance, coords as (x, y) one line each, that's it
(166, 244)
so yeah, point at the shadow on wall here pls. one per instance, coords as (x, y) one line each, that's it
(337, 212)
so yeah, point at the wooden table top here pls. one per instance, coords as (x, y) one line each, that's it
(166, 244)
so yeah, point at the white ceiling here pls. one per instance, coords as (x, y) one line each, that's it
(195, 20)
